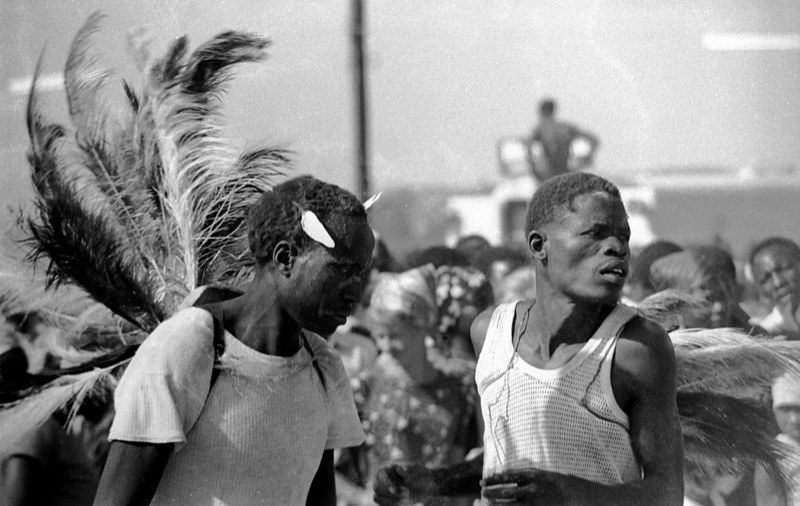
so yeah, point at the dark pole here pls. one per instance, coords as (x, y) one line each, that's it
(361, 96)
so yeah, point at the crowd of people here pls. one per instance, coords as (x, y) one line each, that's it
(454, 368)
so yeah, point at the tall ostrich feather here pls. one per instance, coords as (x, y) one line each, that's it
(724, 378)
(139, 200)
(667, 307)
(168, 193)
(722, 432)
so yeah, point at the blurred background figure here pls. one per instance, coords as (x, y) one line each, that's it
(471, 246)
(786, 406)
(57, 462)
(462, 293)
(411, 411)
(564, 146)
(520, 284)
(437, 256)
(707, 272)
(638, 282)
(497, 262)
(775, 266)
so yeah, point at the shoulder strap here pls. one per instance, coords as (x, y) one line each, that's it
(314, 361)
(218, 341)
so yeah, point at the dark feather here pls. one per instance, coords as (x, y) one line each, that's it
(85, 82)
(225, 243)
(203, 71)
(79, 244)
(167, 69)
(722, 431)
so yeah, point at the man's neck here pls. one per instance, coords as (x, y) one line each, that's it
(258, 320)
(563, 320)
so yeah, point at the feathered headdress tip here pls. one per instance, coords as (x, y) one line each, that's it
(315, 229)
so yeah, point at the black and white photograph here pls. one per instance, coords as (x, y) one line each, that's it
(399, 252)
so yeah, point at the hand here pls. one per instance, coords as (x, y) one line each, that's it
(528, 486)
(396, 483)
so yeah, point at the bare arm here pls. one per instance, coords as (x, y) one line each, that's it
(643, 379)
(19, 484)
(478, 329)
(132, 473)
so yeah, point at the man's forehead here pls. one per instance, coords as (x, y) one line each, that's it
(597, 207)
(781, 252)
(351, 234)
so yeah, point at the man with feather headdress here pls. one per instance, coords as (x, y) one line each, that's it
(238, 402)
(252, 427)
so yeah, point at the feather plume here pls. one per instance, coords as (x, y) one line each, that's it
(723, 382)
(729, 362)
(668, 306)
(33, 410)
(721, 432)
(144, 202)
(168, 195)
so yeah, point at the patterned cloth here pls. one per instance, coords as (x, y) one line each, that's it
(431, 424)
(460, 291)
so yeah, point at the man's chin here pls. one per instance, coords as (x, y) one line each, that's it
(325, 327)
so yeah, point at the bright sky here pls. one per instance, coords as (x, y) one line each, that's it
(678, 82)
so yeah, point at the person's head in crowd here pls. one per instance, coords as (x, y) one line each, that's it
(775, 264)
(471, 246)
(498, 262)
(37, 337)
(356, 347)
(461, 294)
(382, 258)
(402, 313)
(786, 405)
(382, 261)
(578, 233)
(547, 107)
(708, 271)
(317, 284)
(520, 284)
(436, 255)
(638, 286)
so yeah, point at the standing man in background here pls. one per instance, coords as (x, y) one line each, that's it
(555, 139)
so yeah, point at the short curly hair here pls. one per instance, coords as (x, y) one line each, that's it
(776, 242)
(276, 215)
(558, 192)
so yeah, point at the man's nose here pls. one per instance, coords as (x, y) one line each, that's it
(616, 247)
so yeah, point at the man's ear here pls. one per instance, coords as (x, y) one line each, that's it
(536, 242)
(283, 256)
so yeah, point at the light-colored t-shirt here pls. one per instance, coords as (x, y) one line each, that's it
(256, 438)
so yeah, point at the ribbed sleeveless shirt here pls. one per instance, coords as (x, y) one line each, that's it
(564, 419)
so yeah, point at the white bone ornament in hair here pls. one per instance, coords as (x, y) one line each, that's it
(315, 229)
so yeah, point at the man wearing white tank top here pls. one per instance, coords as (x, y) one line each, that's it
(577, 390)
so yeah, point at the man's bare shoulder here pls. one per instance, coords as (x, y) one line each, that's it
(479, 328)
(645, 355)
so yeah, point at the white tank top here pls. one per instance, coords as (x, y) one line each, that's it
(565, 419)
